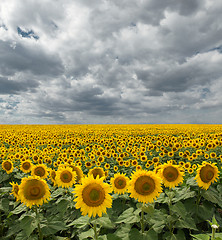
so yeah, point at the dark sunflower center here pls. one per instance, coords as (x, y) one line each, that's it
(34, 189)
(207, 173)
(40, 171)
(93, 195)
(7, 165)
(144, 185)
(66, 176)
(170, 174)
(26, 165)
(120, 183)
(97, 172)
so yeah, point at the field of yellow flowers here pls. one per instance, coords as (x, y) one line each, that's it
(110, 182)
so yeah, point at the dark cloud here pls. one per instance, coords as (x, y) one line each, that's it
(112, 61)
(23, 58)
(14, 87)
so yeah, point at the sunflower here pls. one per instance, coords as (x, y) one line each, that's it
(7, 165)
(33, 191)
(97, 171)
(92, 196)
(171, 174)
(52, 176)
(78, 171)
(40, 170)
(207, 173)
(115, 168)
(119, 183)
(144, 186)
(15, 189)
(107, 166)
(26, 166)
(88, 164)
(138, 167)
(65, 177)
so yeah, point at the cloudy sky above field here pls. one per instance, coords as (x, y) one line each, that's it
(110, 61)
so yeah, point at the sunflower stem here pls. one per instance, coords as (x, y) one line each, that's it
(95, 231)
(38, 221)
(213, 233)
(198, 197)
(142, 218)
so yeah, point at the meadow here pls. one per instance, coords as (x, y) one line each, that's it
(110, 182)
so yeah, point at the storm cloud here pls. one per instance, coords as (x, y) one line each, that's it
(106, 61)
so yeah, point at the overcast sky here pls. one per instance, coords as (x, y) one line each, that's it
(110, 61)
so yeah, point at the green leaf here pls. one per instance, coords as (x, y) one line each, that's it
(28, 224)
(5, 189)
(187, 223)
(212, 195)
(104, 222)
(149, 209)
(135, 234)
(19, 209)
(192, 182)
(201, 237)
(123, 231)
(179, 209)
(21, 236)
(128, 217)
(4, 176)
(183, 193)
(103, 237)
(162, 198)
(111, 236)
(53, 227)
(158, 226)
(85, 235)
(13, 230)
(62, 205)
(151, 234)
(214, 221)
(4, 204)
(219, 188)
(80, 222)
(205, 211)
(180, 235)
(190, 206)
(57, 192)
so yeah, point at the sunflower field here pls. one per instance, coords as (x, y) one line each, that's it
(110, 182)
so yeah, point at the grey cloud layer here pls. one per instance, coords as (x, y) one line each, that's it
(111, 61)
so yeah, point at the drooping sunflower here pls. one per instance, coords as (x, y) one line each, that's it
(33, 191)
(65, 177)
(119, 183)
(7, 165)
(171, 174)
(52, 176)
(40, 170)
(97, 171)
(26, 166)
(78, 171)
(92, 196)
(145, 186)
(15, 189)
(207, 173)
